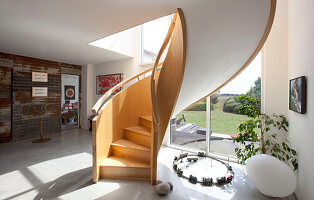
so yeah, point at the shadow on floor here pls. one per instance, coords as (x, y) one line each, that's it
(65, 184)
(18, 155)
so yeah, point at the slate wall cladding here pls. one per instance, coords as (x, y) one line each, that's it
(5, 105)
(27, 110)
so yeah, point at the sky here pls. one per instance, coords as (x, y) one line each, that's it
(242, 83)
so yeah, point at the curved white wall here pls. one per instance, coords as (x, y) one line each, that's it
(301, 63)
(275, 84)
(221, 36)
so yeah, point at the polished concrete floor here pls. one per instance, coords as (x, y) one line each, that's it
(62, 169)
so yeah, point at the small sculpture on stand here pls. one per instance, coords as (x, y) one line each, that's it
(221, 180)
(42, 111)
(207, 181)
(42, 138)
(192, 179)
(192, 159)
(179, 172)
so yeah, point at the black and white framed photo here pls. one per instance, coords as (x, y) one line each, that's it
(297, 95)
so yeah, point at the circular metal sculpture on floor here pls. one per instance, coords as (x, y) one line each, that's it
(184, 161)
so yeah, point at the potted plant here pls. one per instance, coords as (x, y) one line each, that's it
(264, 150)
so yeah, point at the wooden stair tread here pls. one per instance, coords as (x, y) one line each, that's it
(139, 129)
(149, 118)
(117, 161)
(131, 145)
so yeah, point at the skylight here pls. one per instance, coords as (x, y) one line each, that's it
(122, 42)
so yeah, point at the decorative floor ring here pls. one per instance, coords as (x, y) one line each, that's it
(206, 181)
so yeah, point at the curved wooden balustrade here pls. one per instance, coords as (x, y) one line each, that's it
(165, 89)
(105, 96)
(156, 118)
(121, 111)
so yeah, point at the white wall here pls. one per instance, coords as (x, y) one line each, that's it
(275, 86)
(301, 63)
(88, 89)
(288, 54)
(128, 67)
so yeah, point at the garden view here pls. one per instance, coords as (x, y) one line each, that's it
(224, 111)
(224, 122)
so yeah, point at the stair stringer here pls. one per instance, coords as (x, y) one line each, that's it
(121, 111)
(168, 86)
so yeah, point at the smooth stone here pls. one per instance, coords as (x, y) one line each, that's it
(163, 188)
(171, 185)
(271, 176)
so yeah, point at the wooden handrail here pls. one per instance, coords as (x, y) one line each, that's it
(156, 118)
(165, 87)
(105, 96)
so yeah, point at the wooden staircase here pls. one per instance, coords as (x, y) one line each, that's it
(126, 140)
(129, 157)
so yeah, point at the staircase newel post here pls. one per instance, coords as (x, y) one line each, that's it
(154, 153)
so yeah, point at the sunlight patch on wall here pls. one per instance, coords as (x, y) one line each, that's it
(121, 42)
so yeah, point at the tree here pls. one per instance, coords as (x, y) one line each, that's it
(255, 91)
(214, 98)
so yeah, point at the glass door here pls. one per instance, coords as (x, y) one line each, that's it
(188, 130)
(211, 125)
(204, 126)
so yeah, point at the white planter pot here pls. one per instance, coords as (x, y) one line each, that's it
(271, 176)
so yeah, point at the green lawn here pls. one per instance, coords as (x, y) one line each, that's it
(221, 122)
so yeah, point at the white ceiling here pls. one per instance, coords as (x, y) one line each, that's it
(60, 30)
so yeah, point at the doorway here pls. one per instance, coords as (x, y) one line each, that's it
(70, 101)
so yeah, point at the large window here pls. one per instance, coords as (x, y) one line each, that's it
(188, 129)
(212, 124)
(153, 35)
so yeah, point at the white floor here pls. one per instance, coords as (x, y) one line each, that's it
(62, 169)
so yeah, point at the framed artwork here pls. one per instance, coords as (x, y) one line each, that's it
(39, 91)
(39, 77)
(106, 82)
(297, 95)
(69, 92)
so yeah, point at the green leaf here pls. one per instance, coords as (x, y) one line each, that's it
(293, 152)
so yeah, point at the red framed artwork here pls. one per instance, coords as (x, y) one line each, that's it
(106, 82)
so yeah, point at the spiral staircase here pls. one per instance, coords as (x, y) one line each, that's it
(209, 44)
